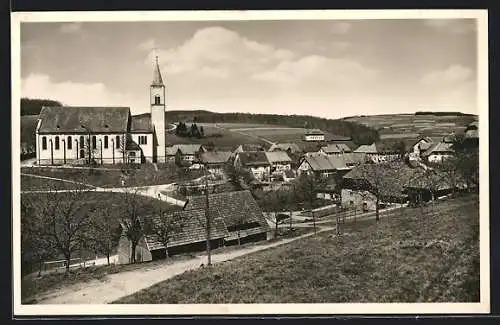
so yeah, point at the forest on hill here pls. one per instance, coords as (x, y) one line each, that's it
(32, 106)
(360, 134)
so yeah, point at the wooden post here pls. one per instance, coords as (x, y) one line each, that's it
(51, 152)
(64, 150)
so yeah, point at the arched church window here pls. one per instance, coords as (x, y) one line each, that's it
(157, 100)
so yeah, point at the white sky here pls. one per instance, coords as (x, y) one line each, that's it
(326, 68)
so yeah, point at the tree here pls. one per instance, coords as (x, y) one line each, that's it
(130, 209)
(105, 230)
(202, 132)
(62, 218)
(36, 246)
(307, 188)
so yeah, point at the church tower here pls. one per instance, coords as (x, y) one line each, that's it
(157, 101)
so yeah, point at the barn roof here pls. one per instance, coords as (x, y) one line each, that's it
(314, 132)
(185, 149)
(336, 148)
(391, 178)
(192, 228)
(74, 119)
(215, 157)
(278, 157)
(253, 158)
(293, 147)
(440, 147)
(232, 206)
(319, 162)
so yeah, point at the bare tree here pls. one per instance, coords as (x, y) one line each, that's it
(36, 246)
(132, 204)
(307, 189)
(63, 218)
(105, 230)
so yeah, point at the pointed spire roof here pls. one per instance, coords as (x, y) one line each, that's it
(157, 79)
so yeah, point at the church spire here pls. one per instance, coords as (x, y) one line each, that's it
(157, 80)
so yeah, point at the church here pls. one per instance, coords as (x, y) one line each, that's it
(103, 135)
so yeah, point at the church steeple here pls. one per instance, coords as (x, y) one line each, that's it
(157, 79)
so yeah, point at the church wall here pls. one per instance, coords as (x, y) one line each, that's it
(147, 149)
(74, 154)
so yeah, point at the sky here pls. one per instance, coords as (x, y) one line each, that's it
(327, 68)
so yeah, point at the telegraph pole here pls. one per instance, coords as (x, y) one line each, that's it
(207, 218)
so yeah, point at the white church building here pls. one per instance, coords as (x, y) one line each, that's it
(104, 135)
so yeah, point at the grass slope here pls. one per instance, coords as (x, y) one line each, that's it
(372, 262)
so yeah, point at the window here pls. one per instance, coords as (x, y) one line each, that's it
(105, 142)
(143, 139)
(94, 142)
(82, 153)
(70, 143)
(131, 154)
(44, 143)
(117, 142)
(82, 142)
(57, 143)
(157, 100)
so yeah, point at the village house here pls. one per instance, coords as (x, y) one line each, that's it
(279, 160)
(314, 135)
(247, 147)
(184, 152)
(288, 147)
(431, 185)
(378, 153)
(420, 147)
(189, 236)
(103, 135)
(240, 212)
(322, 165)
(215, 161)
(256, 162)
(362, 182)
(335, 149)
(438, 152)
(471, 135)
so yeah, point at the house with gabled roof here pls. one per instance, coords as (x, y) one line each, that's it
(215, 160)
(279, 160)
(378, 152)
(288, 147)
(322, 165)
(184, 152)
(255, 161)
(240, 212)
(103, 135)
(439, 152)
(189, 236)
(314, 135)
(335, 149)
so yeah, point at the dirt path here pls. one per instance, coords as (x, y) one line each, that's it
(122, 284)
(57, 179)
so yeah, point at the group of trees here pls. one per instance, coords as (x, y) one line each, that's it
(360, 134)
(192, 132)
(57, 224)
(32, 106)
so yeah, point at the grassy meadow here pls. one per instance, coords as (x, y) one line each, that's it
(409, 257)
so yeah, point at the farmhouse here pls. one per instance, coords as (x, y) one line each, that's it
(377, 153)
(362, 182)
(420, 147)
(189, 236)
(439, 152)
(322, 165)
(240, 212)
(335, 149)
(288, 147)
(255, 161)
(103, 135)
(184, 152)
(314, 135)
(431, 185)
(279, 160)
(215, 160)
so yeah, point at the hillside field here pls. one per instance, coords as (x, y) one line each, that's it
(407, 257)
(410, 126)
